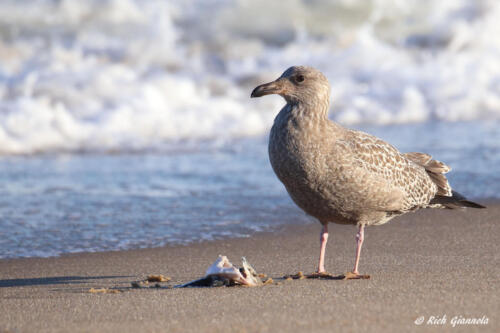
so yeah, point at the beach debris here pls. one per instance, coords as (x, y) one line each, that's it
(145, 283)
(152, 278)
(298, 276)
(136, 284)
(104, 291)
(355, 276)
(158, 278)
(223, 273)
(268, 281)
(325, 276)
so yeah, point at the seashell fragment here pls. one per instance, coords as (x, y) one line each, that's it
(223, 273)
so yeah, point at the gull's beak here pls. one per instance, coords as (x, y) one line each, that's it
(274, 87)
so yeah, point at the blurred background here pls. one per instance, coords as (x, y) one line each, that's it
(128, 123)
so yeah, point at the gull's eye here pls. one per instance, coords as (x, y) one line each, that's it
(299, 78)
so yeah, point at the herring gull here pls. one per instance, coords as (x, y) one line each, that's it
(341, 175)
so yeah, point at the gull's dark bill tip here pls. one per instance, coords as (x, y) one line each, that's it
(255, 92)
(258, 92)
(265, 89)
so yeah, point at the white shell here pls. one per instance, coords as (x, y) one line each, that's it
(224, 268)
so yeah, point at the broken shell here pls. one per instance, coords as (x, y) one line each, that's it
(222, 267)
(223, 273)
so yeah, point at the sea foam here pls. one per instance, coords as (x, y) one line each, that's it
(137, 75)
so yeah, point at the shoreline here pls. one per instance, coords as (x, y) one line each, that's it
(299, 221)
(429, 263)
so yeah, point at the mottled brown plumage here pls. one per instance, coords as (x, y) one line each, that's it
(341, 175)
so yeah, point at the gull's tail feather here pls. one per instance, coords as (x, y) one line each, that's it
(445, 196)
(435, 169)
(455, 201)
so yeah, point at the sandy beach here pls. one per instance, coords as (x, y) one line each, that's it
(430, 263)
(132, 143)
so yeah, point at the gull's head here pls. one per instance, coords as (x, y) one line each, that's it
(297, 84)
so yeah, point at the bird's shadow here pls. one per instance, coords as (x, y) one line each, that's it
(54, 280)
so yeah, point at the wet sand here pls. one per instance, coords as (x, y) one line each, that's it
(430, 263)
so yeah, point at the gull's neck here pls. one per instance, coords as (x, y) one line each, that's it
(308, 116)
(316, 111)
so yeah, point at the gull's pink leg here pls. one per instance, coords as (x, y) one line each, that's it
(323, 239)
(359, 238)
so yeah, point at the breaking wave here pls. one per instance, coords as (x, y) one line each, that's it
(132, 75)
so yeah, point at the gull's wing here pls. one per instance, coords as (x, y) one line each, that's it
(383, 178)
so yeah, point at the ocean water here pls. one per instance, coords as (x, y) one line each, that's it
(128, 123)
(54, 204)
